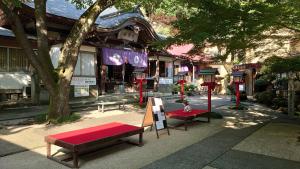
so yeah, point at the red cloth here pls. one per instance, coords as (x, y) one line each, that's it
(181, 113)
(94, 133)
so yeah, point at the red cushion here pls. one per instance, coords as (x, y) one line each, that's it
(181, 113)
(94, 133)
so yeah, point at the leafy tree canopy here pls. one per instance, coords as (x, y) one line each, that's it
(235, 24)
(281, 65)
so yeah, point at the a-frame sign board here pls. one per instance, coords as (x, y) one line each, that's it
(155, 115)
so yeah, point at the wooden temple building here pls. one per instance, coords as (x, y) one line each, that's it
(118, 44)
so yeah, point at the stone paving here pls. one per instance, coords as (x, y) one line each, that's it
(255, 138)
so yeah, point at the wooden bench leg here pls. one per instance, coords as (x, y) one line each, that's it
(102, 108)
(75, 159)
(48, 150)
(98, 108)
(140, 139)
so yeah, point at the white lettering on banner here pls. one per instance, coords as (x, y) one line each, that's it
(81, 90)
(165, 80)
(89, 81)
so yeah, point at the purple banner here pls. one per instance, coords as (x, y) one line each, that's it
(118, 57)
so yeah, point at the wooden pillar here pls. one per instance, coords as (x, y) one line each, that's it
(156, 75)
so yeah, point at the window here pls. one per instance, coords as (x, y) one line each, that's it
(85, 65)
(13, 60)
(162, 69)
(3, 59)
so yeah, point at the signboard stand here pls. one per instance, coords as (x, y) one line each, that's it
(155, 116)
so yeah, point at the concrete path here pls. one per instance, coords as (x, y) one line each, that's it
(243, 139)
(218, 151)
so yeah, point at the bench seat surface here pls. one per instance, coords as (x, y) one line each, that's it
(181, 113)
(86, 135)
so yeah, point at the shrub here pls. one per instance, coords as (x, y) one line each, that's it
(280, 102)
(243, 96)
(261, 85)
(265, 97)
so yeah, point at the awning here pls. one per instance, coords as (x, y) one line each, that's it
(118, 57)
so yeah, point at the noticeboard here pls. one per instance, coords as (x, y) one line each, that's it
(155, 115)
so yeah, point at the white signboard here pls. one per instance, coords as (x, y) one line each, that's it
(242, 87)
(160, 117)
(81, 90)
(163, 80)
(80, 81)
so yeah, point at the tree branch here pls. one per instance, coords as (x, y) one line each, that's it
(81, 28)
(41, 30)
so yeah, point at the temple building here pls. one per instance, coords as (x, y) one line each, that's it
(117, 46)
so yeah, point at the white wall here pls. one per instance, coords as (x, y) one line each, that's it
(14, 80)
(55, 52)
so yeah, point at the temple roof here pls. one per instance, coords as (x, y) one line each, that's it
(183, 51)
(10, 33)
(109, 18)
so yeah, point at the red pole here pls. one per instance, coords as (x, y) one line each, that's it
(182, 90)
(237, 89)
(209, 97)
(141, 91)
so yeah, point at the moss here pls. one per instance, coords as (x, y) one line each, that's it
(39, 119)
(43, 118)
(68, 119)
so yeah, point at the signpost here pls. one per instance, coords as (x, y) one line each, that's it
(155, 116)
(181, 82)
(140, 78)
(238, 78)
(209, 76)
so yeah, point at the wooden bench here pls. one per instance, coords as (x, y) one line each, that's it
(101, 104)
(79, 141)
(188, 116)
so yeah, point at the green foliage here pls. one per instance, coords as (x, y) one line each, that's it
(261, 85)
(188, 88)
(265, 97)
(67, 119)
(43, 118)
(280, 102)
(243, 96)
(281, 65)
(235, 25)
(39, 119)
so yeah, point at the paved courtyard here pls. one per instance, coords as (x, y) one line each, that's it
(256, 138)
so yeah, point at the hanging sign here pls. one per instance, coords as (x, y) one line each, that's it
(155, 115)
(118, 57)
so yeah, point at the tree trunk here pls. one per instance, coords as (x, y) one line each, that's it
(59, 104)
(35, 88)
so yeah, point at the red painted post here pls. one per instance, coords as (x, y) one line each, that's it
(141, 91)
(181, 82)
(209, 97)
(237, 89)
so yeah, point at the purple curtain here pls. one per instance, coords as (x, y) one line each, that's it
(118, 57)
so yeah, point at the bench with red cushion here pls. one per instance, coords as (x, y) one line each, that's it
(187, 116)
(81, 140)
